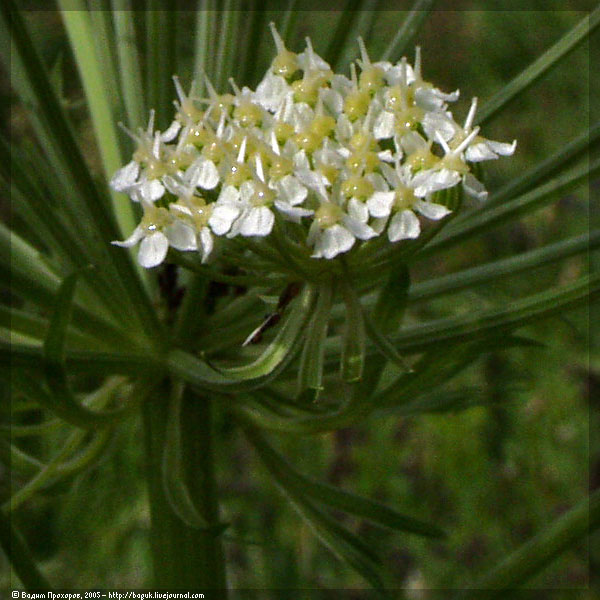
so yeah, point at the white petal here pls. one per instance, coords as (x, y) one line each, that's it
(132, 240)
(427, 99)
(387, 156)
(206, 241)
(247, 190)
(502, 148)
(271, 91)
(393, 74)
(300, 161)
(358, 210)
(341, 84)
(429, 181)
(181, 236)
(153, 250)
(310, 60)
(205, 174)
(258, 221)
(439, 123)
(313, 181)
(332, 100)
(377, 181)
(479, 152)
(229, 195)
(293, 213)
(360, 230)
(384, 125)
(413, 142)
(390, 175)
(185, 210)
(404, 225)
(333, 241)
(343, 128)
(302, 116)
(151, 190)
(222, 218)
(175, 187)
(125, 177)
(171, 133)
(290, 190)
(432, 210)
(474, 187)
(451, 97)
(380, 204)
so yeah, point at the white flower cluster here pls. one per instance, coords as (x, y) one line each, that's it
(344, 159)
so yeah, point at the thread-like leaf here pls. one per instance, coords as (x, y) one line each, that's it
(408, 30)
(384, 344)
(499, 215)
(504, 267)
(540, 66)
(549, 167)
(522, 564)
(339, 39)
(344, 544)
(338, 499)
(519, 313)
(64, 402)
(81, 195)
(31, 358)
(201, 47)
(68, 460)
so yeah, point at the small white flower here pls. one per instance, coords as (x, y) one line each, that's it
(226, 210)
(143, 182)
(157, 231)
(334, 231)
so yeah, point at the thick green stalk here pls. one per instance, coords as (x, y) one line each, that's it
(224, 48)
(201, 44)
(184, 557)
(161, 59)
(129, 63)
(79, 29)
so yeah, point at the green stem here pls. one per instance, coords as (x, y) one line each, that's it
(184, 557)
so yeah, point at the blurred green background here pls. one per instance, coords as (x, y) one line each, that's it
(489, 476)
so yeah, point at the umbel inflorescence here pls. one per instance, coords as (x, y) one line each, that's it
(342, 159)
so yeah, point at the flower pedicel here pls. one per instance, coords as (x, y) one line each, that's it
(345, 160)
